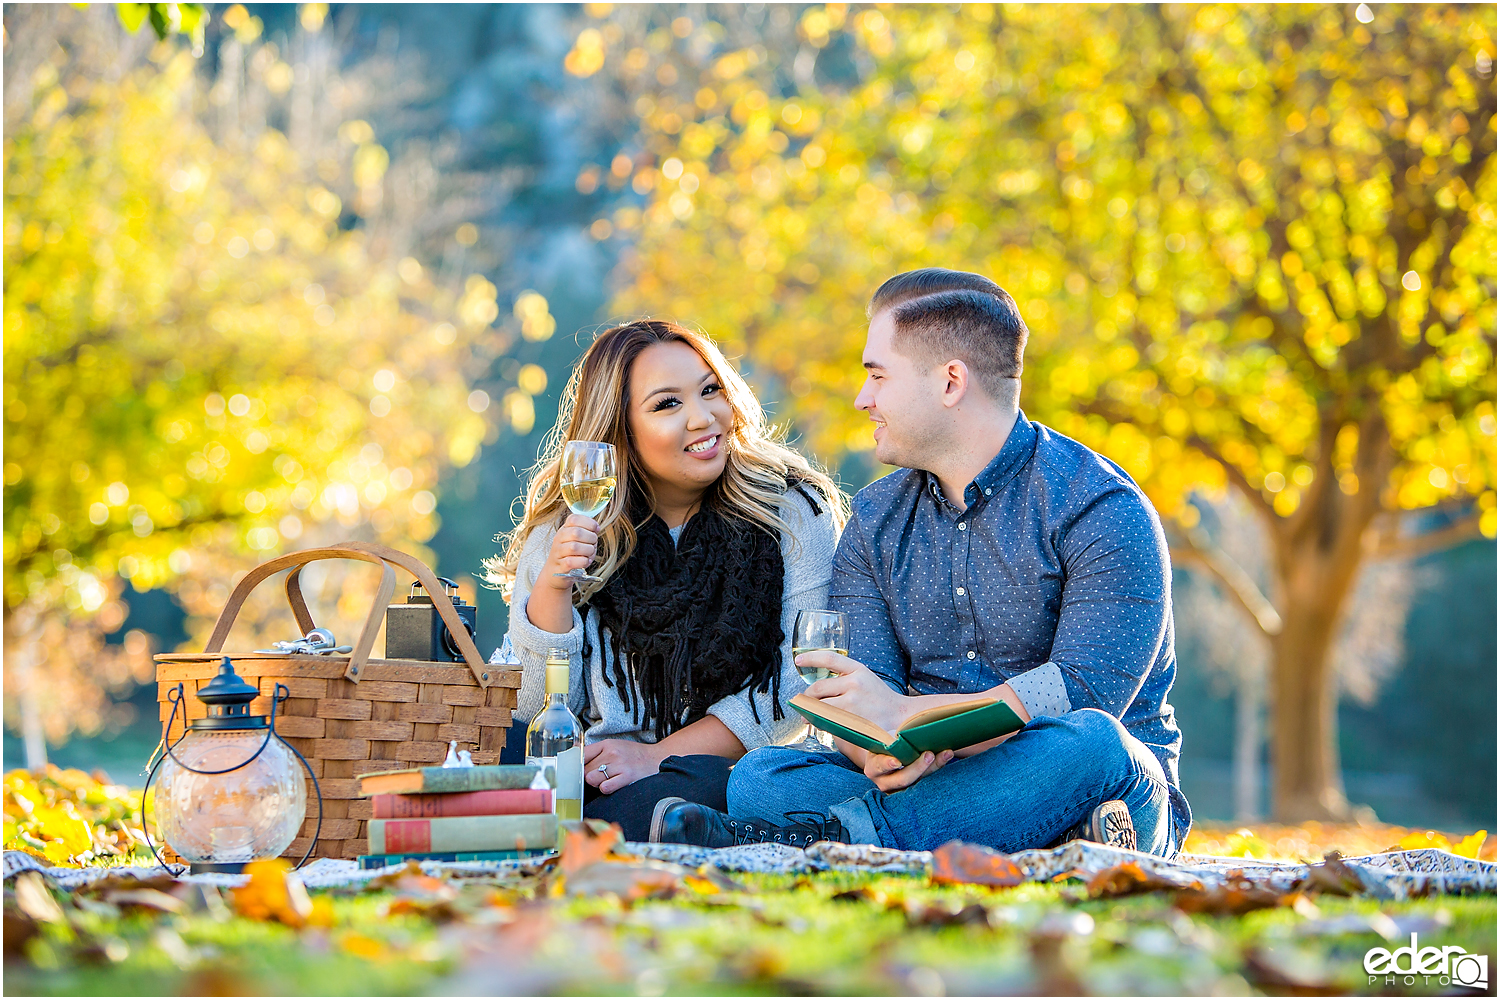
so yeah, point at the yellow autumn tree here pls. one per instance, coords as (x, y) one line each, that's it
(1255, 246)
(202, 366)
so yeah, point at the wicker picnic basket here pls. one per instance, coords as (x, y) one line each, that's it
(350, 715)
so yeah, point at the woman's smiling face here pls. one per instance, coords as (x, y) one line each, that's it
(678, 418)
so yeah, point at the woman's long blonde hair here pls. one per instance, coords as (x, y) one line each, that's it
(595, 407)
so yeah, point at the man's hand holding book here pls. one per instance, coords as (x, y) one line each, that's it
(856, 690)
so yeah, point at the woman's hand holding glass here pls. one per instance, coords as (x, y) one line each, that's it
(587, 472)
(572, 550)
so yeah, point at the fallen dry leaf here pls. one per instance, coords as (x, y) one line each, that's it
(1129, 878)
(16, 931)
(587, 842)
(1332, 877)
(35, 899)
(363, 946)
(1234, 898)
(145, 899)
(270, 895)
(1288, 974)
(630, 881)
(1469, 846)
(959, 863)
(865, 894)
(411, 882)
(101, 887)
(944, 913)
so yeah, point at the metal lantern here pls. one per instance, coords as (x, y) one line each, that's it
(231, 789)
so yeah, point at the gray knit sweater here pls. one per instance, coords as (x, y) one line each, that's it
(808, 556)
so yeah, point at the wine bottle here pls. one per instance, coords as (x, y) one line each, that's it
(555, 739)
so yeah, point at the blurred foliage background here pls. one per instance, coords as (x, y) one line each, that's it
(289, 275)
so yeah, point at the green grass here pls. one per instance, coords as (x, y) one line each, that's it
(783, 934)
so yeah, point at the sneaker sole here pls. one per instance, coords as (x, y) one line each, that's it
(1110, 824)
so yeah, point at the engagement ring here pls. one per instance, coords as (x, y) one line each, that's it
(604, 769)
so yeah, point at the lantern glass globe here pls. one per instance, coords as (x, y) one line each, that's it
(245, 814)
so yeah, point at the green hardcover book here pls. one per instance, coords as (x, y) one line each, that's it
(443, 834)
(430, 780)
(950, 727)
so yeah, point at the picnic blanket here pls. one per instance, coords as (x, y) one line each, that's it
(1394, 875)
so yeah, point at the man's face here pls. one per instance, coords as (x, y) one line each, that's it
(902, 398)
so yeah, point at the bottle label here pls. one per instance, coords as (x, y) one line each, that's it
(557, 678)
(570, 773)
(568, 767)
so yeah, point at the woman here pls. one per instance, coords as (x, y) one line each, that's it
(717, 537)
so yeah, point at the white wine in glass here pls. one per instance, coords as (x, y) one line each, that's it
(817, 630)
(588, 474)
(589, 497)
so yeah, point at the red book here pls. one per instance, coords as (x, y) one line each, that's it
(493, 802)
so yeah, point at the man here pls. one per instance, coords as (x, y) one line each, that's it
(1004, 559)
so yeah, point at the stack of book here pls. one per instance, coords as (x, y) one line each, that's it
(487, 813)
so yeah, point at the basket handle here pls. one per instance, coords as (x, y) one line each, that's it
(466, 647)
(379, 555)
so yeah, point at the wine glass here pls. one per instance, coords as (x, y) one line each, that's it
(588, 473)
(819, 630)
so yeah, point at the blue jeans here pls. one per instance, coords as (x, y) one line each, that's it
(1026, 792)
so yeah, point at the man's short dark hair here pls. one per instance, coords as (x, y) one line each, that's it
(940, 315)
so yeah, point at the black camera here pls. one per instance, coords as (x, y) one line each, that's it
(414, 631)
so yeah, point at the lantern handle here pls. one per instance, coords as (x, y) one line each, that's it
(176, 696)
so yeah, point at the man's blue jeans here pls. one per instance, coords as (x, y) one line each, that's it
(1024, 793)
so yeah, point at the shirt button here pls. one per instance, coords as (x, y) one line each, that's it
(988, 492)
(971, 654)
(962, 526)
(960, 591)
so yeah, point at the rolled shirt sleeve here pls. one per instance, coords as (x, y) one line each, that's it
(1042, 691)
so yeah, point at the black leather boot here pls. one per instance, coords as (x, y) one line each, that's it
(691, 823)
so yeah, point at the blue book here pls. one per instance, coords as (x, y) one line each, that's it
(367, 861)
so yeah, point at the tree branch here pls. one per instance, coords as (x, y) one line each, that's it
(1238, 478)
(1415, 546)
(1198, 549)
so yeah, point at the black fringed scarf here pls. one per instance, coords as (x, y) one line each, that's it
(693, 623)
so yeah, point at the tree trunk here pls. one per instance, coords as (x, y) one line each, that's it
(1249, 694)
(1304, 740)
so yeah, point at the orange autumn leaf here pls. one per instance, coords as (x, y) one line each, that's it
(587, 842)
(270, 895)
(410, 882)
(1470, 845)
(364, 947)
(1236, 897)
(1419, 839)
(321, 914)
(957, 862)
(1129, 878)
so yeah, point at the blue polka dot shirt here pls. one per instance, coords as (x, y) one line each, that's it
(1055, 579)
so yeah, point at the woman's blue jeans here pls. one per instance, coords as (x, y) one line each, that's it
(1026, 792)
